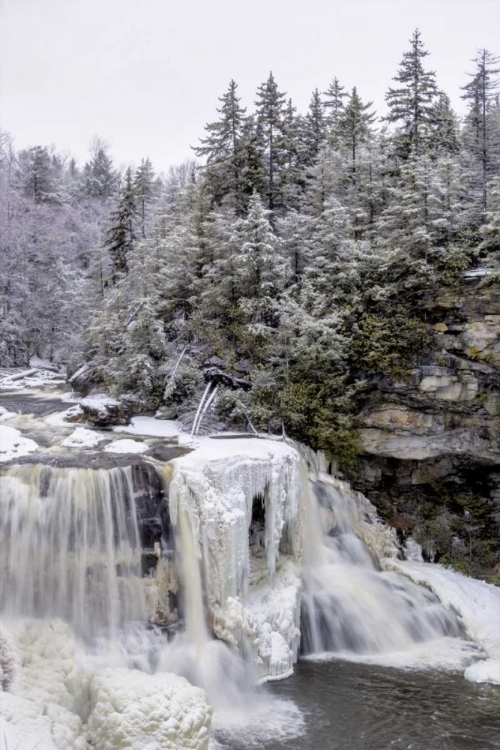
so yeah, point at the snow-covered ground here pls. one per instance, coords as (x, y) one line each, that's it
(126, 446)
(477, 603)
(150, 426)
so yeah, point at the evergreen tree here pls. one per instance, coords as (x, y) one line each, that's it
(99, 178)
(482, 131)
(121, 235)
(445, 136)
(334, 106)
(355, 127)
(144, 189)
(411, 103)
(315, 128)
(221, 147)
(38, 177)
(270, 118)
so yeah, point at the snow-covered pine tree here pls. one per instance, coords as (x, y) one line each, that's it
(270, 118)
(314, 127)
(122, 233)
(411, 102)
(144, 189)
(221, 147)
(334, 107)
(100, 180)
(481, 133)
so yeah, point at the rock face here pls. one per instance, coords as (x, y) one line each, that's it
(443, 423)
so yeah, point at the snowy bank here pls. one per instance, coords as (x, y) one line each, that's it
(150, 426)
(126, 446)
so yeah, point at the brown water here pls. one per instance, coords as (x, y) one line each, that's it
(350, 706)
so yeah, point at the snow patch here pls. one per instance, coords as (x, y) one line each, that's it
(151, 426)
(82, 438)
(126, 446)
(13, 444)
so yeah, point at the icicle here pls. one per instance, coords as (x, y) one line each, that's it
(205, 394)
(206, 407)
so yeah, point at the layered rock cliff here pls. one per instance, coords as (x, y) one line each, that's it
(431, 444)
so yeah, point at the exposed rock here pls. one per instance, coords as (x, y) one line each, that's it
(217, 376)
(104, 412)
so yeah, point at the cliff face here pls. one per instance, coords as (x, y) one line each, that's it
(431, 445)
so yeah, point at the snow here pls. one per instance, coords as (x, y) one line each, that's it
(65, 418)
(132, 710)
(99, 401)
(35, 377)
(151, 426)
(477, 603)
(82, 438)
(13, 444)
(126, 446)
(6, 415)
(484, 671)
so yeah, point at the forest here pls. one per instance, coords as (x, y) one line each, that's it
(294, 256)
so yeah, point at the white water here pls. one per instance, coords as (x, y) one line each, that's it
(350, 607)
(70, 548)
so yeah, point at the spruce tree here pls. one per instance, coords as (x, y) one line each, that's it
(411, 103)
(355, 127)
(121, 235)
(334, 107)
(270, 118)
(445, 136)
(99, 178)
(221, 147)
(38, 176)
(315, 128)
(144, 189)
(482, 131)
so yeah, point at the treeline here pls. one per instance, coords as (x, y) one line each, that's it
(299, 256)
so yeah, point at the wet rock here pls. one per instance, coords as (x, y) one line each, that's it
(104, 412)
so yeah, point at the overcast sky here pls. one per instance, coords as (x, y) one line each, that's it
(145, 74)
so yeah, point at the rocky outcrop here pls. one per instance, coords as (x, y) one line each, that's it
(442, 424)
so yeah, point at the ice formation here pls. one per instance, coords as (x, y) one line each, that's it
(126, 446)
(251, 582)
(132, 710)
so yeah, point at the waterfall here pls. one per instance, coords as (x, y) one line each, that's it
(70, 547)
(350, 605)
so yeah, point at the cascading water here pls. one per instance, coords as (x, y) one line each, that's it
(70, 547)
(349, 605)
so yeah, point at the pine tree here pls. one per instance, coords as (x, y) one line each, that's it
(144, 190)
(355, 127)
(445, 135)
(261, 270)
(99, 177)
(221, 147)
(334, 106)
(481, 132)
(251, 165)
(121, 236)
(411, 104)
(38, 177)
(270, 118)
(315, 128)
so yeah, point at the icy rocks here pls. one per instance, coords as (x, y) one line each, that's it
(132, 710)
(126, 446)
(13, 444)
(103, 411)
(484, 671)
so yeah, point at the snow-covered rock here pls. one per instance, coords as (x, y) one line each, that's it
(103, 411)
(126, 446)
(487, 670)
(13, 444)
(132, 710)
(82, 438)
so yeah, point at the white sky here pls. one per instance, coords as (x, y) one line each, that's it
(145, 74)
